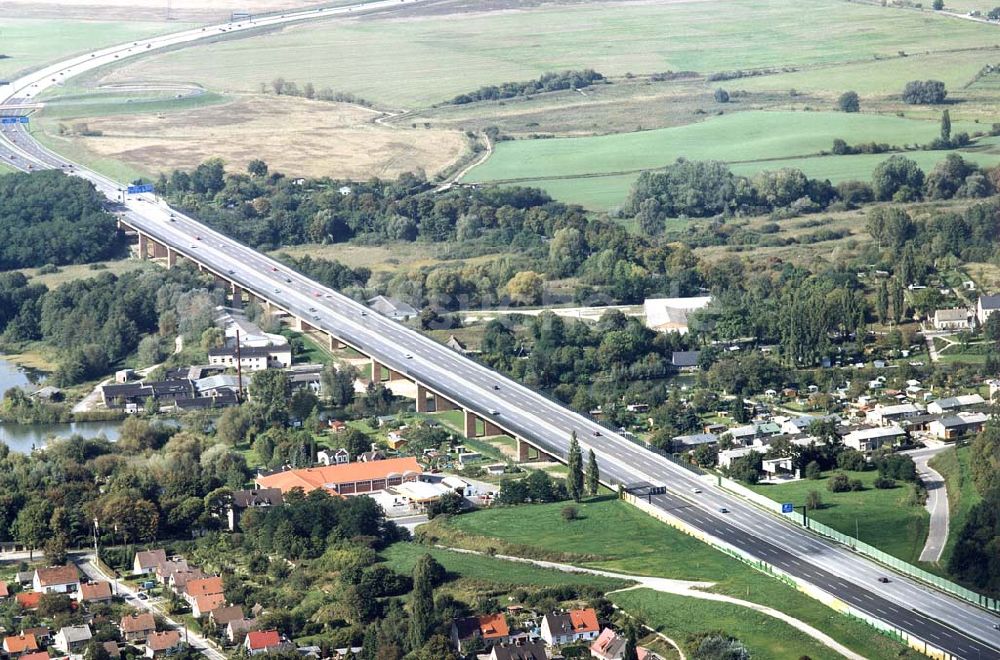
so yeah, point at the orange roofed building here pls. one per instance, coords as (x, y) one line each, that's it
(345, 479)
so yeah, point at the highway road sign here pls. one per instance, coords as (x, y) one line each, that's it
(8, 120)
(23, 120)
(787, 507)
(144, 188)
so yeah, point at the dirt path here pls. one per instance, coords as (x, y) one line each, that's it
(691, 589)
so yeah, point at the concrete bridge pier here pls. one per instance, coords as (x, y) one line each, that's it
(376, 371)
(171, 258)
(237, 296)
(422, 406)
(441, 404)
(143, 246)
(527, 453)
(159, 250)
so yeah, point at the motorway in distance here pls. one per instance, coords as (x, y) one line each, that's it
(942, 621)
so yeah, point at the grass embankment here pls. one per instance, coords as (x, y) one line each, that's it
(953, 465)
(614, 536)
(891, 520)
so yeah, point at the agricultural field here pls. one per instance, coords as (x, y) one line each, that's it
(891, 520)
(332, 139)
(435, 57)
(650, 548)
(28, 43)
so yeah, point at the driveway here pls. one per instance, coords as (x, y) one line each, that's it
(198, 643)
(937, 503)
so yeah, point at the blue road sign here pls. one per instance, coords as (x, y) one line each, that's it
(787, 508)
(145, 188)
(23, 120)
(8, 120)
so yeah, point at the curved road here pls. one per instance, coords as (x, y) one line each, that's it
(941, 621)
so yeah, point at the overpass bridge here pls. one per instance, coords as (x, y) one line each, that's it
(937, 624)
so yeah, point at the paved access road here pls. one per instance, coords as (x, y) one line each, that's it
(942, 621)
(937, 502)
(89, 566)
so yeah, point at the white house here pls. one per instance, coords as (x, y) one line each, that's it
(560, 628)
(986, 306)
(950, 427)
(952, 319)
(56, 579)
(72, 639)
(869, 439)
(146, 561)
(886, 415)
(949, 404)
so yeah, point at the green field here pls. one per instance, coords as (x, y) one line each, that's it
(962, 495)
(640, 545)
(30, 43)
(680, 618)
(402, 556)
(108, 102)
(883, 518)
(439, 55)
(741, 137)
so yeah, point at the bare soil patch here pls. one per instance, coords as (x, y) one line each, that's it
(294, 136)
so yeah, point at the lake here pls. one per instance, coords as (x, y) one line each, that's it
(23, 437)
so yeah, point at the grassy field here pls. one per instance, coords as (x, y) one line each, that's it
(402, 556)
(29, 43)
(735, 138)
(434, 56)
(962, 495)
(885, 519)
(85, 271)
(682, 618)
(648, 547)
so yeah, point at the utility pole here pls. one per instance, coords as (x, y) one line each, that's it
(96, 555)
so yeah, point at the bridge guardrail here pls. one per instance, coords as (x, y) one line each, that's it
(827, 599)
(863, 548)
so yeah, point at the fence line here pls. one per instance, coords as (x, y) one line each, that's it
(863, 548)
(827, 599)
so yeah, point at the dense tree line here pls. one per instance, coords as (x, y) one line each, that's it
(976, 557)
(50, 218)
(924, 92)
(547, 82)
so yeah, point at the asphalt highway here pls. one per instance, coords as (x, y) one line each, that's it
(953, 625)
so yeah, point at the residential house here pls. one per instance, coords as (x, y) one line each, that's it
(886, 415)
(28, 600)
(568, 627)
(685, 360)
(951, 427)
(525, 650)
(873, 438)
(263, 641)
(178, 579)
(221, 616)
(203, 605)
(137, 627)
(41, 633)
(950, 404)
(146, 561)
(56, 579)
(686, 442)
(249, 499)
(337, 425)
(986, 306)
(239, 627)
(159, 644)
(17, 645)
(72, 639)
(24, 578)
(36, 655)
(4, 591)
(202, 587)
(609, 645)
(94, 592)
(393, 308)
(952, 319)
(490, 628)
(371, 456)
(346, 479)
(167, 568)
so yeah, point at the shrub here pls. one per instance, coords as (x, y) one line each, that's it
(721, 96)
(924, 92)
(814, 501)
(884, 483)
(857, 485)
(570, 513)
(839, 483)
